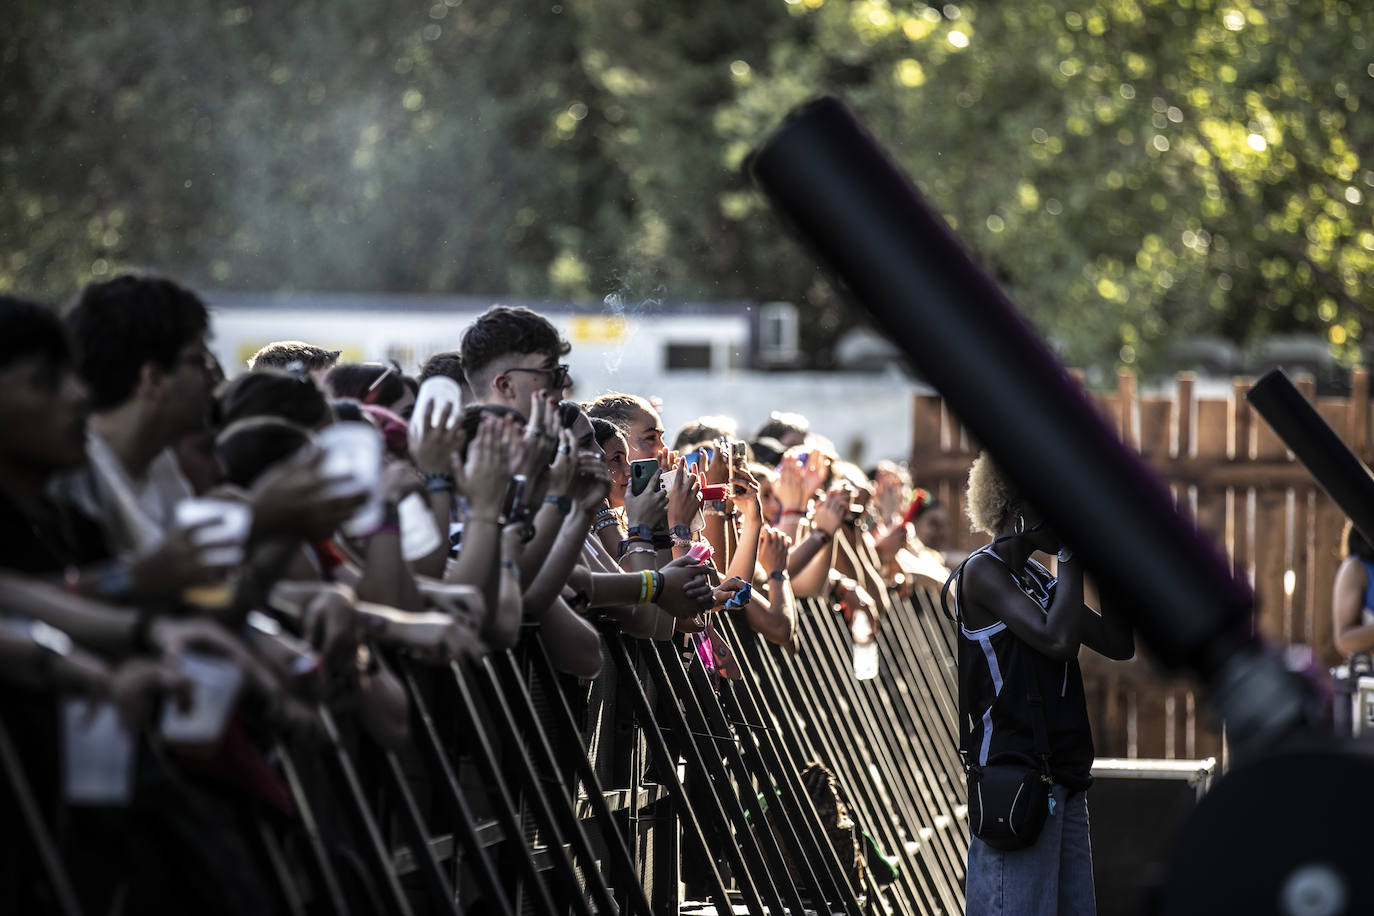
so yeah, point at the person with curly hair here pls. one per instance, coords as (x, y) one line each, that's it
(1020, 628)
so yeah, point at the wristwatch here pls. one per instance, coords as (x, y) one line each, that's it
(563, 502)
(778, 575)
(680, 532)
(643, 532)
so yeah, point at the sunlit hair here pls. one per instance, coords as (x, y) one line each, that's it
(282, 353)
(990, 497)
(620, 409)
(705, 429)
(782, 422)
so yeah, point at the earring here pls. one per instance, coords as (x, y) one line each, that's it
(1019, 527)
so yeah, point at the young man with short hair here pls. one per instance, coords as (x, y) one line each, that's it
(510, 353)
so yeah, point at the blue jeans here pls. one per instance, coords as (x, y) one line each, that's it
(1052, 878)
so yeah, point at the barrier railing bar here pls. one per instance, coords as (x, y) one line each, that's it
(664, 763)
(741, 806)
(450, 796)
(746, 863)
(326, 879)
(503, 804)
(540, 766)
(762, 750)
(377, 852)
(53, 867)
(417, 837)
(617, 849)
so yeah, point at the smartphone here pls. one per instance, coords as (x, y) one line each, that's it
(640, 473)
(739, 452)
(701, 457)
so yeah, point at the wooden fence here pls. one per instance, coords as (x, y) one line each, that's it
(1226, 466)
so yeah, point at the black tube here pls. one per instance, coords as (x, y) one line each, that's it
(1335, 468)
(831, 181)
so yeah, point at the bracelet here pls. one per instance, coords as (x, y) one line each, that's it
(717, 504)
(717, 513)
(605, 523)
(680, 532)
(658, 585)
(564, 503)
(823, 535)
(779, 575)
(438, 481)
(787, 512)
(646, 586)
(634, 550)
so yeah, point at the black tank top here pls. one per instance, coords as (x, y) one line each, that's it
(994, 705)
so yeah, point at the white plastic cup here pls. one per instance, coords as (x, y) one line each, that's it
(354, 450)
(436, 393)
(215, 684)
(232, 522)
(97, 755)
(420, 537)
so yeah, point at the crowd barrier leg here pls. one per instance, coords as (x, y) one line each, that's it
(507, 813)
(665, 766)
(318, 862)
(439, 889)
(741, 806)
(701, 683)
(49, 858)
(801, 716)
(536, 760)
(734, 838)
(456, 810)
(375, 847)
(865, 753)
(617, 849)
(769, 756)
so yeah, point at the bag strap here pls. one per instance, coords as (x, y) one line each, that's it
(1041, 740)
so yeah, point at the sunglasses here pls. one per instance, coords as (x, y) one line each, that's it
(558, 375)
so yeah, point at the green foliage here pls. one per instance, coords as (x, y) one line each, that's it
(1133, 171)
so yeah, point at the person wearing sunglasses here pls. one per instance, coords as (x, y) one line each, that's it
(510, 354)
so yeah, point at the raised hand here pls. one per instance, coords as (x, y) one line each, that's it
(593, 482)
(138, 684)
(684, 497)
(745, 489)
(650, 505)
(295, 498)
(483, 477)
(831, 513)
(774, 547)
(790, 488)
(436, 445)
(686, 590)
(563, 471)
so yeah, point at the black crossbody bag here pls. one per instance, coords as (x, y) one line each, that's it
(1009, 796)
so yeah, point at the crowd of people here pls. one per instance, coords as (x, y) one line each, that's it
(201, 563)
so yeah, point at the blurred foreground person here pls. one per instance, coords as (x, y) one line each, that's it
(1021, 703)
(1352, 602)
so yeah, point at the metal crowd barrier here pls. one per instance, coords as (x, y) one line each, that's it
(521, 792)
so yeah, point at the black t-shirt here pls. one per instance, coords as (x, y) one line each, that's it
(43, 545)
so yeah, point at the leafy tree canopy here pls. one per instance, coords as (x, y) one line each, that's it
(1133, 171)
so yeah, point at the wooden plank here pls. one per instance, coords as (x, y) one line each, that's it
(1271, 549)
(1212, 442)
(1357, 435)
(1126, 408)
(1302, 606)
(1242, 432)
(1156, 419)
(926, 410)
(1183, 414)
